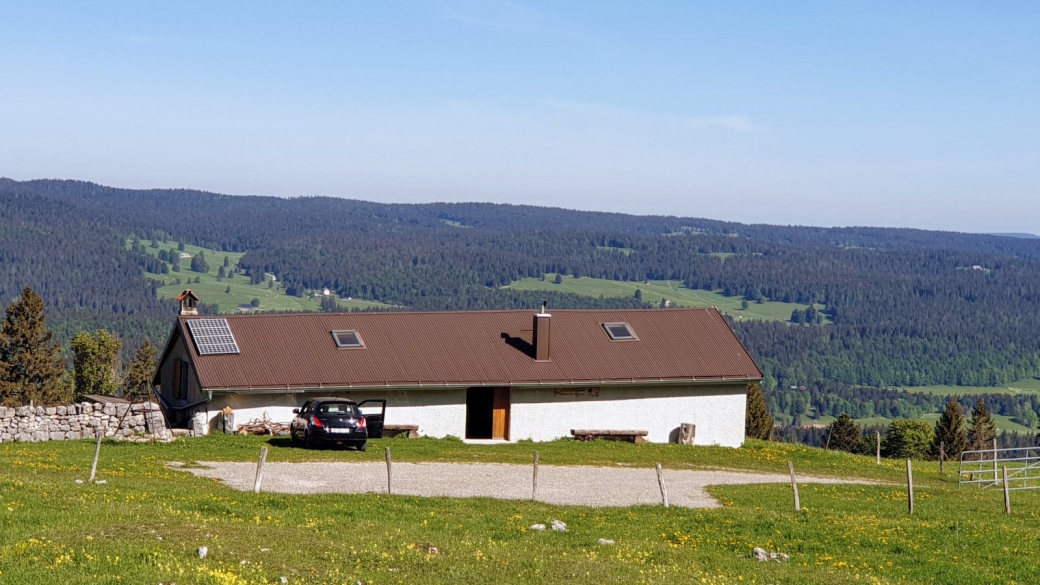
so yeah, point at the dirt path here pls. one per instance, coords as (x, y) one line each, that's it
(584, 486)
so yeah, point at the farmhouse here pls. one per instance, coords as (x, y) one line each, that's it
(505, 375)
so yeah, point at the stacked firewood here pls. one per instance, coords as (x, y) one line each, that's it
(263, 426)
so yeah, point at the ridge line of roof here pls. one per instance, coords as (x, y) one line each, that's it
(466, 312)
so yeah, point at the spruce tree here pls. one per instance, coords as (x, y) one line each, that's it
(982, 430)
(138, 380)
(758, 423)
(950, 432)
(844, 434)
(94, 359)
(33, 369)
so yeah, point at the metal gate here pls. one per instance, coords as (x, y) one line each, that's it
(985, 468)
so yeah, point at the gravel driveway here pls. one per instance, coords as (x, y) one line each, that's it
(582, 486)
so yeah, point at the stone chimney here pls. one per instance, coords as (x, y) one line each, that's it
(189, 303)
(540, 337)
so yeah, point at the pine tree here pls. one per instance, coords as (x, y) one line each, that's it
(95, 362)
(639, 294)
(844, 434)
(982, 429)
(32, 366)
(950, 432)
(138, 380)
(758, 423)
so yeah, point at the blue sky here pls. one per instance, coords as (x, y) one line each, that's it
(833, 113)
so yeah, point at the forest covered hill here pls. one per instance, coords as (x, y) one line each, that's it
(884, 307)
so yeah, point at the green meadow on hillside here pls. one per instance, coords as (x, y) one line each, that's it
(1026, 386)
(271, 294)
(147, 522)
(656, 290)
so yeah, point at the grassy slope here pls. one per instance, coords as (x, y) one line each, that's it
(242, 292)
(655, 290)
(1027, 386)
(146, 523)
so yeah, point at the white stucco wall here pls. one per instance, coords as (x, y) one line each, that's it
(718, 412)
(538, 413)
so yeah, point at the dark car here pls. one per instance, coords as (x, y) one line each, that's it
(335, 421)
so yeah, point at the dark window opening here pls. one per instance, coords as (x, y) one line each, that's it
(184, 381)
(619, 331)
(349, 338)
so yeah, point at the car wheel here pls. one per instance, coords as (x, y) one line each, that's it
(293, 440)
(308, 442)
(362, 446)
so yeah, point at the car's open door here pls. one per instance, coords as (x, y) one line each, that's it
(375, 414)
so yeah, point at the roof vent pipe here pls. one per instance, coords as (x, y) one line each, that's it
(541, 334)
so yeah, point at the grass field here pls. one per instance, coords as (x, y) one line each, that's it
(272, 297)
(146, 523)
(656, 290)
(1026, 386)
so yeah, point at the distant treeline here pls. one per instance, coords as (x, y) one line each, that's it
(817, 436)
(790, 406)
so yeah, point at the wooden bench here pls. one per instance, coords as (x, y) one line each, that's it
(409, 431)
(586, 435)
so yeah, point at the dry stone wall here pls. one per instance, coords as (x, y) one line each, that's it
(82, 421)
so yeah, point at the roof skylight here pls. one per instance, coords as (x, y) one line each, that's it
(348, 338)
(620, 332)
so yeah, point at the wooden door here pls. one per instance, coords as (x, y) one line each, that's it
(500, 415)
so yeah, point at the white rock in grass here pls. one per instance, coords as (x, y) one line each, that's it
(606, 541)
(283, 579)
(203, 551)
(764, 556)
(537, 527)
(79, 481)
(101, 482)
(559, 526)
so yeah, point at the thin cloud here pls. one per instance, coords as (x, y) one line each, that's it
(735, 123)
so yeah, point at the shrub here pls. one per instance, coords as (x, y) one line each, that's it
(908, 439)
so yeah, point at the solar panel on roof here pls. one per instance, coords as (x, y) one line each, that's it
(212, 336)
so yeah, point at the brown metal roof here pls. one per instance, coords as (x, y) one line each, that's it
(469, 348)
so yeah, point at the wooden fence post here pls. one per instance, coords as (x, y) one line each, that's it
(794, 487)
(534, 478)
(996, 478)
(260, 469)
(910, 485)
(389, 472)
(942, 457)
(1007, 495)
(877, 435)
(660, 482)
(97, 453)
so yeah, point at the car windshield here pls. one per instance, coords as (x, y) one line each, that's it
(336, 408)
